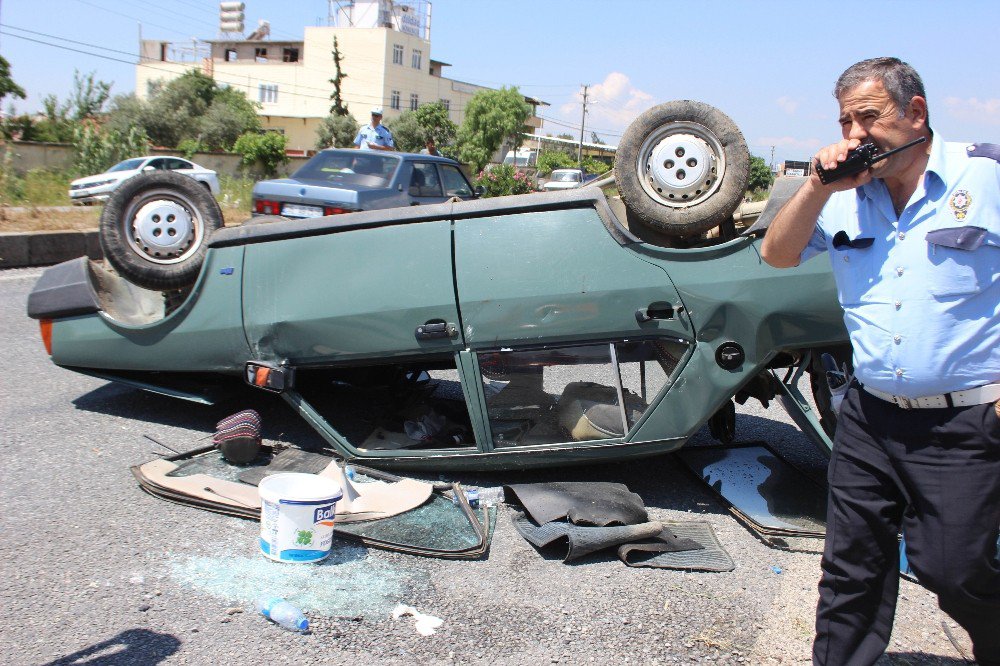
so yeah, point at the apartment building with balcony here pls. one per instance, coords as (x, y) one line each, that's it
(385, 52)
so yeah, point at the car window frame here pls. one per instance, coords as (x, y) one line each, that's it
(441, 170)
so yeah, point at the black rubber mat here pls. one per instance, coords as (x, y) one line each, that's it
(582, 540)
(711, 557)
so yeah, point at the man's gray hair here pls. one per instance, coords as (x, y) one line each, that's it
(901, 81)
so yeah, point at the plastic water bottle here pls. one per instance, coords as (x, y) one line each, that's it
(283, 614)
(491, 496)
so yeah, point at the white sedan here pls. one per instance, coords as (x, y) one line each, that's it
(564, 179)
(98, 188)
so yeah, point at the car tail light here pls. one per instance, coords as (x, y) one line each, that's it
(334, 210)
(267, 207)
(45, 325)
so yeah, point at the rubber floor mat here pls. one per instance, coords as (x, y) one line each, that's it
(582, 540)
(711, 557)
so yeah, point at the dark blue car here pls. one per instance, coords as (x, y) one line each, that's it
(344, 181)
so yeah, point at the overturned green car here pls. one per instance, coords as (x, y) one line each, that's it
(542, 329)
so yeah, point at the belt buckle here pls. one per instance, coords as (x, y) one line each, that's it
(903, 402)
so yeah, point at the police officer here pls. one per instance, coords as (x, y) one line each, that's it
(915, 246)
(375, 136)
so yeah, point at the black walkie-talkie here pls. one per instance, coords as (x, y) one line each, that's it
(858, 160)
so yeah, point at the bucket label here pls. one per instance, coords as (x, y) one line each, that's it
(324, 515)
(297, 532)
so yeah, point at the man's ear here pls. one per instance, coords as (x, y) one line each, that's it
(917, 111)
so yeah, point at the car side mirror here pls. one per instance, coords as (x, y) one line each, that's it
(149, 168)
(268, 376)
(479, 191)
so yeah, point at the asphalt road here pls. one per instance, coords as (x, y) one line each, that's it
(94, 571)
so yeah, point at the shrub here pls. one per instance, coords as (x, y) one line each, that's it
(96, 150)
(554, 159)
(503, 179)
(188, 147)
(263, 151)
(591, 165)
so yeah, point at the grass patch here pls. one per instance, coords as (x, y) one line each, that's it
(45, 219)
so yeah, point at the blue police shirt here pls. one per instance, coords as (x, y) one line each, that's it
(921, 293)
(380, 136)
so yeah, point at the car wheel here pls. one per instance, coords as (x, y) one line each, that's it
(682, 168)
(155, 229)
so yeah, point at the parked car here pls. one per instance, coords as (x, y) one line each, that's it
(519, 331)
(98, 188)
(564, 179)
(338, 181)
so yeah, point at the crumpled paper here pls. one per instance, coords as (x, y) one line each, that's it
(425, 624)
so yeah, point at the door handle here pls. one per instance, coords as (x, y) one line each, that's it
(657, 311)
(436, 329)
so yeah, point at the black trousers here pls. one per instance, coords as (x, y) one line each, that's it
(936, 474)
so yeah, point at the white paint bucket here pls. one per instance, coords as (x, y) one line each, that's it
(296, 516)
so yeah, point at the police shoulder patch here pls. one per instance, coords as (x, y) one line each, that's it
(989, 150)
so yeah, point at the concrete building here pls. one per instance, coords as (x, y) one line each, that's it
(385, 51)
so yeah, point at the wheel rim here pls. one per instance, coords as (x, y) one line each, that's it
(681, 164)
(164, 227)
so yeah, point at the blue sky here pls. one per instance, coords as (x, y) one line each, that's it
(769, 65)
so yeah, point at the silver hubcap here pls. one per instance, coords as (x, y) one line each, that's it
(165, 230)
(681, 164)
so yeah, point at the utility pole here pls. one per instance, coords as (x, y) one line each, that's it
(772, 159)
(583, 121)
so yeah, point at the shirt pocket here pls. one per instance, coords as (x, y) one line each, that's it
(854, 271)
(959, 267)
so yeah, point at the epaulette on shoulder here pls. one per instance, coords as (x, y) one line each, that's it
(990, 150)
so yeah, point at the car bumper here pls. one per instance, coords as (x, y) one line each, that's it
(84, 198)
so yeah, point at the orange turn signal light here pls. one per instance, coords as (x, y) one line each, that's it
(45, 325)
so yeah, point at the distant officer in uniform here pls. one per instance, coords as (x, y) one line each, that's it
(375, 136)
(915, 247)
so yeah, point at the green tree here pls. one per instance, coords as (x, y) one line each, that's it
(338, 108)
(565, 135)
(7, 85)
(554, 159)
(412, 129)
(490, 117)
(760, 175)
(436, 123)
(262, 151)
(596, 139)
(191, 110)
(88, 97)
(336, 132)
(407, 133)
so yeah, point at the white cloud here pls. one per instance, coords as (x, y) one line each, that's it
(787, 104)
(611, 104)
(973, 109)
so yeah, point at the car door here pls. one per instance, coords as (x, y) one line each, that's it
(555, 309)
(375, 293)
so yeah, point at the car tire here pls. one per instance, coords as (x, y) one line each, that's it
(155, 229)
(682, 168)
